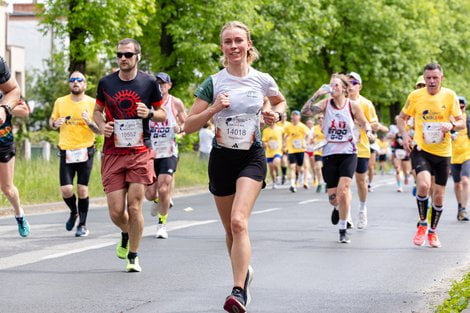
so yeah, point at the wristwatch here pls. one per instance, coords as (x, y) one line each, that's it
(453, 125)
(150, 115)
(279, 115)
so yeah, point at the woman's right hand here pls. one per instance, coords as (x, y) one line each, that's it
(222, 101)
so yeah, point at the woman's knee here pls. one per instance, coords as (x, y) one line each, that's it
(238, 224)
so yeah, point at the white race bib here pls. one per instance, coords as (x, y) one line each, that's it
(236, 132)
(128, 133)
(273, 144)
(76, 156)
(163, 142)
(400, 154)
(432, 132)
(298, 143)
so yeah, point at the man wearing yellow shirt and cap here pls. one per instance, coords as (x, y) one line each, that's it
(272, 140)
(283, 123)
(436, 112)
(363, 144)
(72, 116)
(460, 165)
(295, 141)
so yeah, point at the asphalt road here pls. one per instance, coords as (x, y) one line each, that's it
(299, 266)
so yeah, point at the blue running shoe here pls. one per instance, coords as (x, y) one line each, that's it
(23, 226)
(413, 192)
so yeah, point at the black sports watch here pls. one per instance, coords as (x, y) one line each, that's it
(7, 108)
(150, 115)
(279, 115)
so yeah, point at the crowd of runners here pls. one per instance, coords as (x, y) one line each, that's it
(241, 118)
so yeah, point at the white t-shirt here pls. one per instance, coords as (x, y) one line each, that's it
(205, 140)
(246, 96)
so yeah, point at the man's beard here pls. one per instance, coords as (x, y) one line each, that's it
(76, 92)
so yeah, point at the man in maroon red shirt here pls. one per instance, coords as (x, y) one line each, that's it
(127, 96)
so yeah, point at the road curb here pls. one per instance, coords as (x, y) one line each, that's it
(97, 201)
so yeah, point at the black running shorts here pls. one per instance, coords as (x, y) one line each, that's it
(438, 166)
(336, 166)
(362, 165)
(7, 153)
(296, 158)
(459, 170)
(82, 169)
(165, 165)
(227, 165)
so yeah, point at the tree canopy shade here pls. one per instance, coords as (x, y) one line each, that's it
(301, 42)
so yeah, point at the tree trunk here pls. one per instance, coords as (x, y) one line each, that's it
(76, 36)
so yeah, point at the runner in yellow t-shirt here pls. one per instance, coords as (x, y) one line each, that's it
(72, 115)
(363, 144)
(436, 112)
(295, 141)
(283, 123)
(272, 140)
(316, 136)
(383, 144)
(460, 165)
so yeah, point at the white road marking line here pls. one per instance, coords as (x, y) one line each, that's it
(188, 209)
(62, 250)
(309, 201)
(265, 211)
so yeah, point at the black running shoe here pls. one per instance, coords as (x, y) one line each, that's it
(334, 216)
(70, 224)
(462, 215)
(235, 303)
(343, 236)
(292, 189)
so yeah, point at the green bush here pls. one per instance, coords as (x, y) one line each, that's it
(459, 296)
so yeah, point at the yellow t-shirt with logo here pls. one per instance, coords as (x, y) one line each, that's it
(272, 139)
(363, 144)
(383, 145)
(461, 146)
(295, 141)
(74, 133)
(318, 136)
(428, 111)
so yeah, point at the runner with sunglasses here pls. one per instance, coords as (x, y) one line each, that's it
(436, 112)
(127, 97)
(234, 98)
(71, 115)
(340, 151)
(363, 144)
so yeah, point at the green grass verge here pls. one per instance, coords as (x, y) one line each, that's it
(459, 295)
(38, 180)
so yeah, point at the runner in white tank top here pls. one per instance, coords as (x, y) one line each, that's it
(163, 139)
(339, 153)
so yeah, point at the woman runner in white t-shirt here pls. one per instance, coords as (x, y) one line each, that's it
(340, 151)
(233, 97)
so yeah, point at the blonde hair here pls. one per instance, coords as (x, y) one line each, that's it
(252, 53)
(344, 82)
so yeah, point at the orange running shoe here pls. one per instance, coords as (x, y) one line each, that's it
(420, 234)
(434, 240)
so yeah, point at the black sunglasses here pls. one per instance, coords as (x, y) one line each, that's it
(355, 82)
(76, 79)
(128, 55)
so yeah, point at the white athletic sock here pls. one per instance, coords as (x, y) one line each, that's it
(343, 224)
(362, 207)
(292, 182)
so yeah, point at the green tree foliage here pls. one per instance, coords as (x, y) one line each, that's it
(301, 42)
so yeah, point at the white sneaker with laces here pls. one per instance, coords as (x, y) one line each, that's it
(362, 220)
(161, 231)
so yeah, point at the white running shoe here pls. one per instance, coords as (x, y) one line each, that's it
(161, 231)
(248, 281)
(362, 220)
(274, 185)
(154, 208)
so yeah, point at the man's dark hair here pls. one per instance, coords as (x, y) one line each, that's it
(432, 67)
(127, 41)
